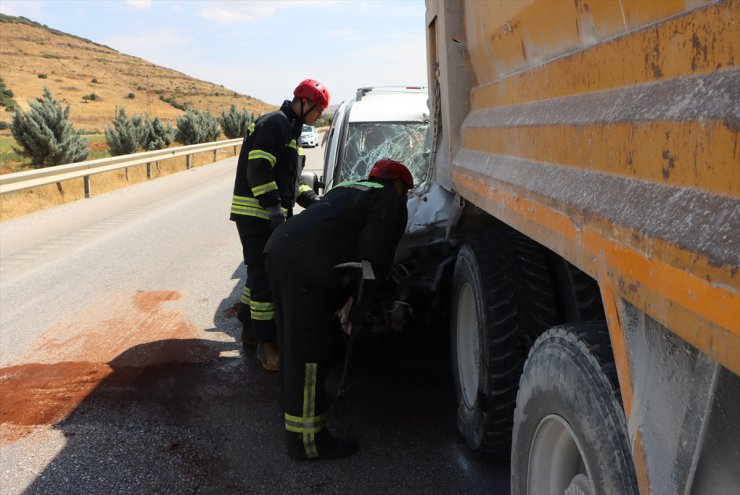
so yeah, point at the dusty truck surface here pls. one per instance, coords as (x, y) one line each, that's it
(581, 211)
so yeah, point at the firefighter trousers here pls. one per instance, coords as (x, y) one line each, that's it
(305, 318)
(256, 298)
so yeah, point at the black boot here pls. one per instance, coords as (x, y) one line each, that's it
(248, 340)
(244, 316)
(324, 446)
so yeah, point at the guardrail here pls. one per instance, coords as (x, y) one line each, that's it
(49, 175)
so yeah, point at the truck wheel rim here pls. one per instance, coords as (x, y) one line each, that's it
(468, 346)
(556, 462)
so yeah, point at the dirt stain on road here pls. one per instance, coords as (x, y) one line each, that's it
(99, 336)
(70, 360)
(38, 394)
(149, 301)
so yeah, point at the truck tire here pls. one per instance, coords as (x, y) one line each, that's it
(501, 300)
(570, 432)
(578, 295)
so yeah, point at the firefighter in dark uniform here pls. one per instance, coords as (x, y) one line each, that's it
(265, 190)
(354, 221)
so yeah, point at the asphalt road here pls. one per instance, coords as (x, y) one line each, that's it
(121, 370)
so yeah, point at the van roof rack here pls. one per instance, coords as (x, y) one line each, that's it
(363, 91)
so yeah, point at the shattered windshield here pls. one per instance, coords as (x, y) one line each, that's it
(368, 142)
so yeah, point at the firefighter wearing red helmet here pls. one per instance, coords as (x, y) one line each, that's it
(313, 92)
(266, 188)
(354, 221)
(396, 171)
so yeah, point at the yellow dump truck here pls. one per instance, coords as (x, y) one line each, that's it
(588, 158)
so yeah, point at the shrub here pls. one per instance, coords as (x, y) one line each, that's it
(197, 127)
(94, 80)
(4, 125)
(324, 121)
(158, 135)
(46, 133)
(42, 76)
(6, 97)
(175, 104)
(235, 122)
(127, 135)
(90, 97)
(131, 96)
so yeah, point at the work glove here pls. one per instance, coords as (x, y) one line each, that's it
(276, 216)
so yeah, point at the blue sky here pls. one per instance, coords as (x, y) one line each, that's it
(260, 48)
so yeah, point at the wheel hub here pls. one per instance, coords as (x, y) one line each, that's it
(468, 346)
(579, 485)
(556, 461)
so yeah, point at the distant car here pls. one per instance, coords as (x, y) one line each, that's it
(309, 137)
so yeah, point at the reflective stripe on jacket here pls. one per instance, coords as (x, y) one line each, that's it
(268, 166)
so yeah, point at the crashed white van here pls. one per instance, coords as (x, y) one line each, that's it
(393, 122)
(390, 122)
(380, 122)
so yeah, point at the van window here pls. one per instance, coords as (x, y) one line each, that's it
(368, 142)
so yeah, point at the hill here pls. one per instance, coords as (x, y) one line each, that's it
(74, 69)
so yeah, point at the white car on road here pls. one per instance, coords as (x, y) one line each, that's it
(309, 137)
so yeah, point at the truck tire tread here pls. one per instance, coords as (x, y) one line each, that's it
(519, 305)
(566, 363)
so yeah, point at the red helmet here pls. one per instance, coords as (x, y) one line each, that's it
(314, 91)
(386, 168)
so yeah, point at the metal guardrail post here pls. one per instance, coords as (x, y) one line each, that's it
(214, 155)
(187, 162)
(88, 191)
(148, 170)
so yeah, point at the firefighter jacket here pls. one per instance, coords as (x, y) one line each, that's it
(354, 221)
(269, 167)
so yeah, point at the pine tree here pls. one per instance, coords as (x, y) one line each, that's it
(6, 97)
(158, 135)
(197, 127)
(235, 122)
(127, 135)
(46, 133)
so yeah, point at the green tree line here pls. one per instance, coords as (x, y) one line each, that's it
(46, 135)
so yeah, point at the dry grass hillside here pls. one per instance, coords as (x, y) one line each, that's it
(33, 56)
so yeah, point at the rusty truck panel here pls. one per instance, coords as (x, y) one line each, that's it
(607, 132)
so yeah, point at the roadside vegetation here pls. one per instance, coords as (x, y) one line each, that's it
(6, 99)
(235, 122)
(137, 133)
(43, 136)
(197, 127)
(46, 135)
